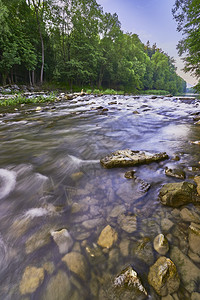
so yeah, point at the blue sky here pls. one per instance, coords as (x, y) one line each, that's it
(152, 20)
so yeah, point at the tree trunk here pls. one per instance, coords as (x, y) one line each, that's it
(29, 74)
(33, 77)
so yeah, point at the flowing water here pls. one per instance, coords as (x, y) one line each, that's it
(51, 178)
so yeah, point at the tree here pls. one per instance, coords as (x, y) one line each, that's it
(186, 13)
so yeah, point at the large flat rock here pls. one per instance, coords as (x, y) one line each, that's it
(129, 158)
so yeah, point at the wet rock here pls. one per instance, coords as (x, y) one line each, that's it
(194, 237)
(168, 297)
(177, 194)
(189, 216)
(197, 180)
(117, 210)
(63, 240)
(76, 176)
(129, 174)
(195, 257)
(77, 264)
(160, 244)
(132, 190)
(177, 173)
(128, 281)
(90, 224)
(107, 237)
(166, 224)
(129, 158)
(143, 250)
(32, 278)
(188, 271)
(58, 287)
(49, 267)
(95, 254)
(127, 222)
(77, 207)
(163, 277)
(124, 247)
(38, 240)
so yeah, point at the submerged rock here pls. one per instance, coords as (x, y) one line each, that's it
(194, 238)
(160, 244)
(177, 194)
(197, 180)
(31, 280)
(163, 277)
(38, 240)
(58, 287)
(189, 216)
(188, 271)
(127, 223)
(128, 280)
(130, 174)
(76, 263)
(63, 240)
(107, 237)
(128, 158)
(143, 250)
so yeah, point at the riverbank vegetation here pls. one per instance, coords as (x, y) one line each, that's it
(75, 43)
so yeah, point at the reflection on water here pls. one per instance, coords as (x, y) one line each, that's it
(51, 179)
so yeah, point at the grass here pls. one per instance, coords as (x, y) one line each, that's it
(23, 100)
(154, 92)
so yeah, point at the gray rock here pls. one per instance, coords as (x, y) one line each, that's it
(189, 216)
(58, 287)
(195, 296)
(160, 244)
(177, 173)
(127, 223)
(128, 281)
(63, 240)
(188, 271)
(195, 257)
(117, 210)
(163, 276)
(129, 158)
(90, 224)
(38, 240)
(166, 224)
(177, 194)
(194, 238)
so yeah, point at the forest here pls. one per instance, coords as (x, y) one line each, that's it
(74, 43)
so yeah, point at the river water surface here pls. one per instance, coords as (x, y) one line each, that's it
(51, 178)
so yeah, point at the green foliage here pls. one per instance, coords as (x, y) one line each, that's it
(154, 92)
(77, 45)
(23, 100)
(186, 13)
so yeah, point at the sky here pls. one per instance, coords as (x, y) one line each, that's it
(152, 20)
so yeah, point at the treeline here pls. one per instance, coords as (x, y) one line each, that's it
(73, 42)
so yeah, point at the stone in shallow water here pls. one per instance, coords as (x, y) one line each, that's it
(31, 280)
(194, 238)
(163, 276)
(143, 250)
(197, 180)
(38, 240)
(189, 216)
(127, 223)
(177, 194)
(128, 158)
(188, 271)
(128, 280)
(63, 240)
(195, 296)
(58, 287)
(107, 237)
(160, 244)
(76, 263)
(177, 173)
(166, 224)
(117, 210)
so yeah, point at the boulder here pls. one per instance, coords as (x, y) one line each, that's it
(177, 173)
(32, 278)
(129, 158)
(194, 238)
(77, 264)
(178, 193)
(58, 287)
(128, 280)
(160, 244)
(163, 277)
(188, 271)
(127, 222)
(107, 237)
(63, 240)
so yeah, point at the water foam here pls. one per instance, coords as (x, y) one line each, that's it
(7, 182)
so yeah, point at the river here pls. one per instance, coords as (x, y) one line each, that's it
(51, 179)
